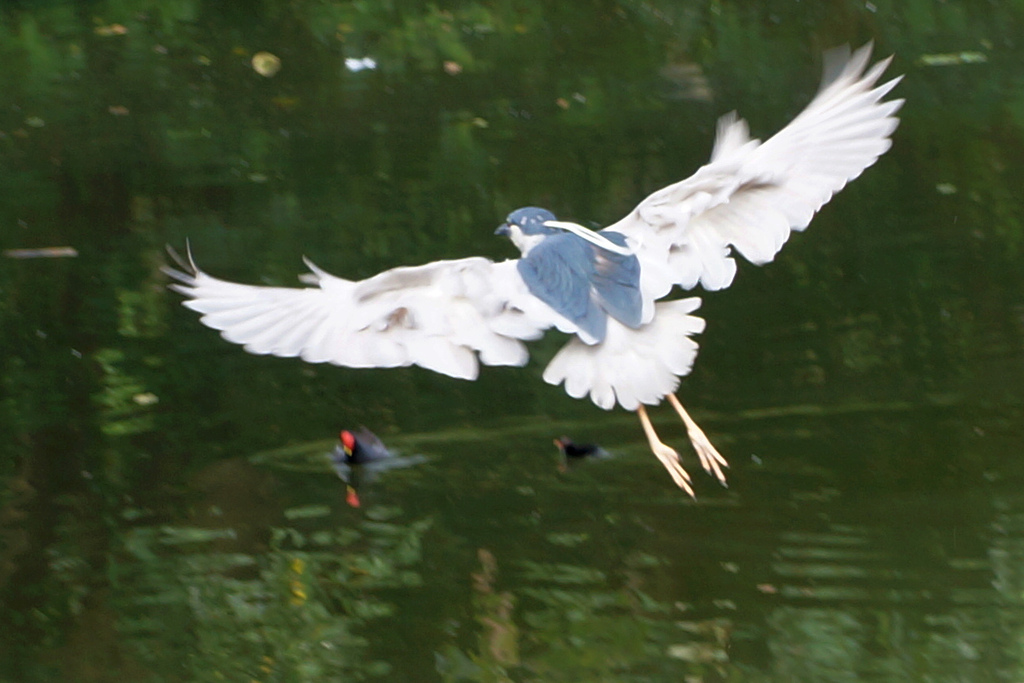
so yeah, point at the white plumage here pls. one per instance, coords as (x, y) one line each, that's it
(632, 367)
(749, 197)
(440, 316)
(448, 316)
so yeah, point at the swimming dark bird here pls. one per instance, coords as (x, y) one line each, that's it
(355, 452)
(359, 447)
(608, 289)
(571, 449)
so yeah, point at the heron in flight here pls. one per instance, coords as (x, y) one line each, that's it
(608, 289)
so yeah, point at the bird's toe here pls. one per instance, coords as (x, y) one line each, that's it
(669, 457)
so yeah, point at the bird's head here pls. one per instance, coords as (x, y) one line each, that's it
(526, 227)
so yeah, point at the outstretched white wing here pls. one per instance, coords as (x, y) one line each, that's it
(750, 196)
(440, 316)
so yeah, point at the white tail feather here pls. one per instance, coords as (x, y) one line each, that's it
(631, 367)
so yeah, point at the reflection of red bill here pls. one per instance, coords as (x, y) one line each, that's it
(351, 497)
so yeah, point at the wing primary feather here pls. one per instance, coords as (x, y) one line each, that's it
(751, 195)
(440, 315)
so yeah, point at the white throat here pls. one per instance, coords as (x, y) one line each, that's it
(524, 242)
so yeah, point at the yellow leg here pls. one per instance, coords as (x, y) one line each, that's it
(710, 458)
(666, 454)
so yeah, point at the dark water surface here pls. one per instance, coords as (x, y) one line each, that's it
(167, 510)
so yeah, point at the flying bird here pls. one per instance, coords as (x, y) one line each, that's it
(608, 289)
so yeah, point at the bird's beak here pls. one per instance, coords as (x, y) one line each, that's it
(503, 230)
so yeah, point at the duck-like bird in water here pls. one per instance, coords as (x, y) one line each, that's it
(608, 288)
(360, 448)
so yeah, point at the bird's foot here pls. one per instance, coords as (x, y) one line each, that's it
(668, 456)
(710, 458)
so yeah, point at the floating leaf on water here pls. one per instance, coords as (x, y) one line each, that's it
(42, 252)
(266, 64)
(356, 64)
(953, 58)
(111, 30)
(146, 399)
(567, 539)
(698, 652)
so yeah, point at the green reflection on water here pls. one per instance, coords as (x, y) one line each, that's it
(290, 612)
